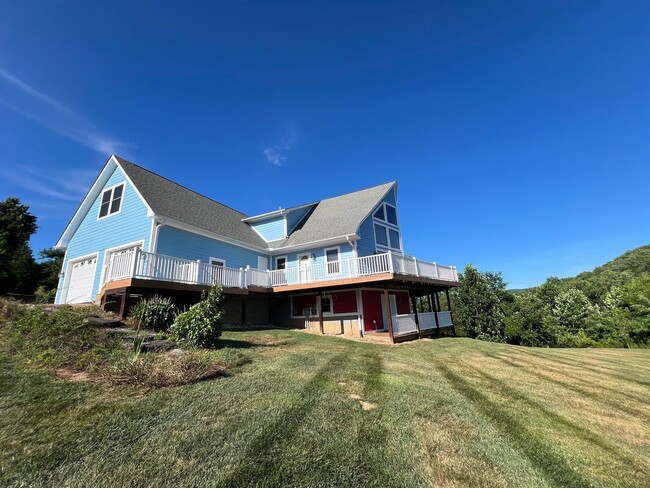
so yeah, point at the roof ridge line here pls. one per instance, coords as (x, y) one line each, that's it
(122, 160)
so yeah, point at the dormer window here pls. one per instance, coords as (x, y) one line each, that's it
(111, 201)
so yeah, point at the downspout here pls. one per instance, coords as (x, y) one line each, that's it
(153, 245)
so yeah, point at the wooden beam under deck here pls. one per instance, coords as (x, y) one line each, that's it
(334, 283)
(115, 286)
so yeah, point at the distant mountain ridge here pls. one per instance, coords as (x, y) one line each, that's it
(615, 272)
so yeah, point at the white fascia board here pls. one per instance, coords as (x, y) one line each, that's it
(313, 244)
(150, 212)
(90, 197)
(195, 230)
(280, 211)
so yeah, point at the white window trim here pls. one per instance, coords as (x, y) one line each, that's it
(386, 214)
(286, 261)
(212, 258)
(381, 247)
(388, 226)
(338, 259)
(101, 198)
(66, 280)
(111, 250)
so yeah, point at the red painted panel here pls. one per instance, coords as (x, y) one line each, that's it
(402, 299)
(345, 302)
(301, 302)
(373, 318)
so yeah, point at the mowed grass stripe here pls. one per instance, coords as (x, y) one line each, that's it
(548, 462)
(559, 422)
(591, 390)
(588, 367)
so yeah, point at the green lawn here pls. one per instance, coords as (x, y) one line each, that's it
(448, 412)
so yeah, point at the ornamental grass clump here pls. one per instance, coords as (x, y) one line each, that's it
(200, 326)
(156, 313)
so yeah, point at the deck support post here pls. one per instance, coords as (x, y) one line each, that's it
(453, 327)
(125, 296)
(430, 304)
(415, 312)
(436, 308)
(389, 317)
(319, 304)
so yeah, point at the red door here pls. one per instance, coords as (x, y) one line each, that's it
(373, 318)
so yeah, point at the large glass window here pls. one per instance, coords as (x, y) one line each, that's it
(391, 214)
(111, 201)
(394, 238)
(380, 235)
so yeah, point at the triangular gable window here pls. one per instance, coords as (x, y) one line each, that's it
(379, 214)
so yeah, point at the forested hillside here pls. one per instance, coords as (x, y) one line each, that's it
(606, 307)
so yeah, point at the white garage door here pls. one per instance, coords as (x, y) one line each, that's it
(80, 284)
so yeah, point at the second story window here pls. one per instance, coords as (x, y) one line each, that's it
(387, 235)
(111, 201)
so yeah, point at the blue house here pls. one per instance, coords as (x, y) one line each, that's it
(335, 266)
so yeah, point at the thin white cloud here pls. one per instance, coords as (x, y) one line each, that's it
(62, 185)
(36, 105)
(276, 154)
(274, 157)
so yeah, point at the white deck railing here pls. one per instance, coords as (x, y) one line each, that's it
(140, 264)
(404, 324)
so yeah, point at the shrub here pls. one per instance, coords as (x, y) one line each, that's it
(155, 313)
(201, 325)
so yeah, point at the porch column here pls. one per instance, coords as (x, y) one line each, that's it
(435, 312)
(453, 327)
(415, 312)
(430, 304)
(319, 304)
(389, 317)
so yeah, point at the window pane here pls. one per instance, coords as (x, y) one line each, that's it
(380, 234)
(281, 263)
(217, 262)
(379, 214)
(103, 210)
(326, 304)
(391, 214)
(117, 191)
(115, 206)
(394, 238)
(332, 255)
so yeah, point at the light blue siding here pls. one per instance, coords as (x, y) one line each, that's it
(271, 229)
(187, 245)
(295, 216)
(366, 244)
(131, 224)
(317, 255)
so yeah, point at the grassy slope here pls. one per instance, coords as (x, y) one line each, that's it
(449, 412)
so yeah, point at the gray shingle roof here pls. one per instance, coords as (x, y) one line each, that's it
(337, 216)
(331, 217)
(171, 200)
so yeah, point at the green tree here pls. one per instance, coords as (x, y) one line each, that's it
(18, 270)
(478, 310)
(529, 324)
(572, 309)
(51, 262)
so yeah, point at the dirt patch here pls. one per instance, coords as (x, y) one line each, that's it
(367, 405)
(354, 396)
(67, 374)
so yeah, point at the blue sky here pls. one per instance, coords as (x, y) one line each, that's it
(519, 132)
